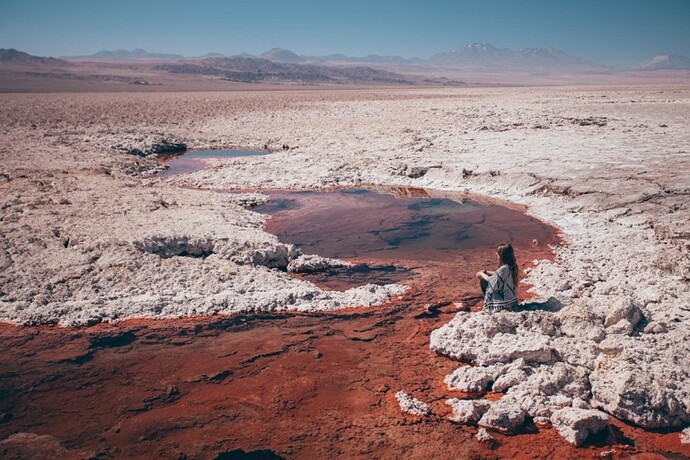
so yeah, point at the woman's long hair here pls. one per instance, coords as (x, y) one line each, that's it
(506, 256)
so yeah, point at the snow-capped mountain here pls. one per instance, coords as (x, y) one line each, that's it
(666, 62)
(483, 56)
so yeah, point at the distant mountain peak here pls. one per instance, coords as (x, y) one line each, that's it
(665, 62)
(281, 55)
(475, 47)
(478, 45)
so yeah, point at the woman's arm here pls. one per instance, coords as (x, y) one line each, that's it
(483, 274)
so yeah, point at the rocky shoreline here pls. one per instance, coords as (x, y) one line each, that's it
(86, 239)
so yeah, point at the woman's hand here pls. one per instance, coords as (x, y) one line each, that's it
(482, 274)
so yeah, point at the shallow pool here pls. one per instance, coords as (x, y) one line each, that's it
(398, 232)
(194, 160)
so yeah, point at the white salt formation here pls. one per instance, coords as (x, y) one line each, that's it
(575, 425)
(468, 411)
(483, 435)
(412, 405)
(310, 263)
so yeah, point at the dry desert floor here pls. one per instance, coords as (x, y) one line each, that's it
(155, 317)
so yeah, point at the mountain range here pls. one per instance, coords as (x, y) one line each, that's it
(475, 56)
(477, 63)
(485, 56)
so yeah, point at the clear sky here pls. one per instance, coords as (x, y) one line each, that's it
(616, 32)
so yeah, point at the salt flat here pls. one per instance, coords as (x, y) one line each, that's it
(86, 237)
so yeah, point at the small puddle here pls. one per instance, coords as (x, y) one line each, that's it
(194, 160)
(392, 234)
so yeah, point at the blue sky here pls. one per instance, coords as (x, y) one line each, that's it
(617, 32)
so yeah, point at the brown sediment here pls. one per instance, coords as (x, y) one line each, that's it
(318, 385)
(302, 386)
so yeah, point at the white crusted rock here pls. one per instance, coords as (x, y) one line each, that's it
(580, 322)
(542, 421)
(487, 339)
(269, 255)
(511, 374)
(505, 348)
(549, 388)
(579, 403)
(468, 335)
(658, 399)
(510, 378)
(504, 416)
(560, 401)
(560, 378)
(623, 326)
(576, 352)
(656, 327)
(575, 425)
(412, 405)
(483, 435)
(623, 309)
(472, 379)
(312, 263)
(468, 411)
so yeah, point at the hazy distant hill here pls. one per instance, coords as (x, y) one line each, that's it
(369, 59)
(260, 70)
(12, 56)
(666, 62)
(135, 54)
(483, 56)
(472, 57)
(281, 55)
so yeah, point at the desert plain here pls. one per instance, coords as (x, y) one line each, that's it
(155, 317)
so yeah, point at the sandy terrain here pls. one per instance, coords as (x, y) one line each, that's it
(87, 238)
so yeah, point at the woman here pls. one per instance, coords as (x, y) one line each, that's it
(500, 287)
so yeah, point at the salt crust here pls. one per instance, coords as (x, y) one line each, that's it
(483, 435)
(84, 239)
(412, 405)
(576, 425)
(312, 263)
(468, 411)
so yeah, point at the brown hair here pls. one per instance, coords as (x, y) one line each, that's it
(506, 256)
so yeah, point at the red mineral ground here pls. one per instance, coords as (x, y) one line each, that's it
(283, 385)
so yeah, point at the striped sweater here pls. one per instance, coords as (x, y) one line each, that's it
(500, 293)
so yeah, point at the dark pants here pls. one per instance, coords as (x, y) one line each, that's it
(483, 284)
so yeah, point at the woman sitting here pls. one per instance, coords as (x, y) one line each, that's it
(500, 287)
